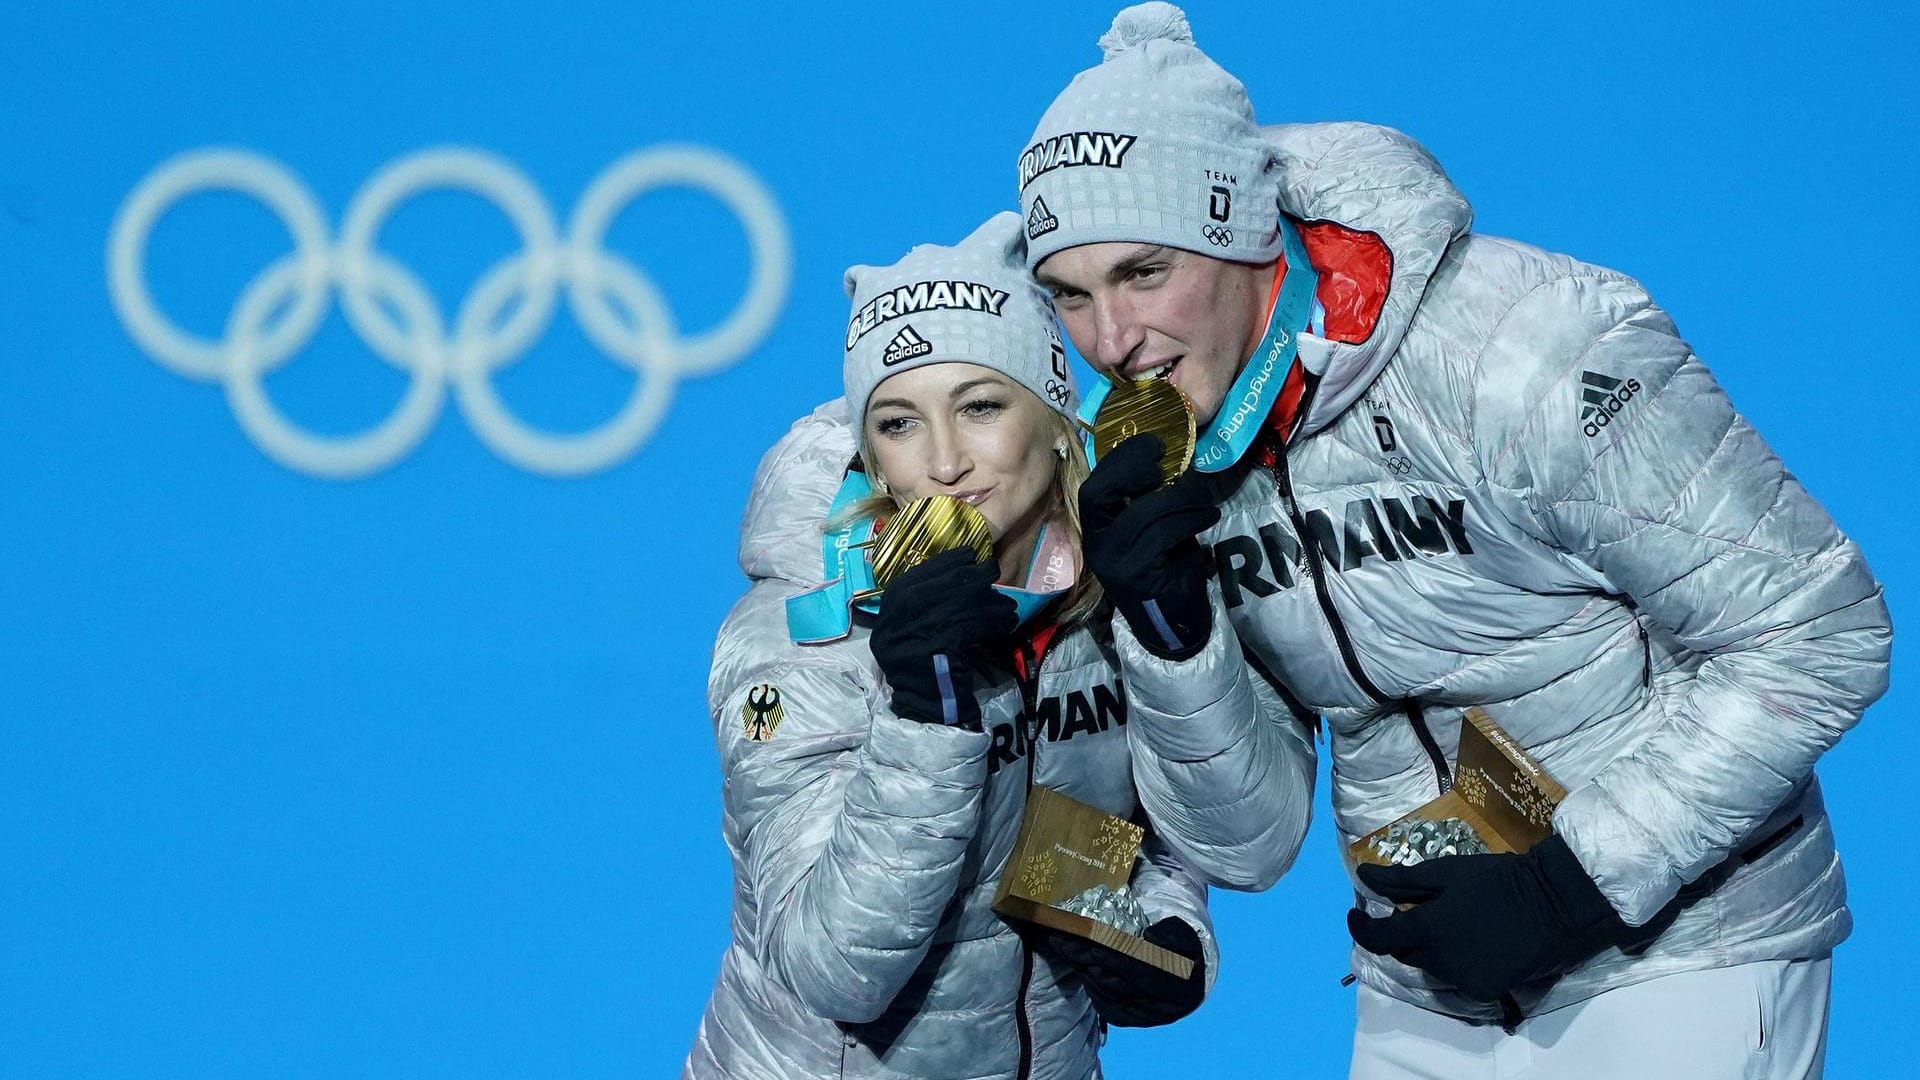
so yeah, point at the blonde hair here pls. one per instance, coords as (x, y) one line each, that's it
(1080, 601)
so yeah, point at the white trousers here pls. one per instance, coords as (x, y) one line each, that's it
(1764, 1021)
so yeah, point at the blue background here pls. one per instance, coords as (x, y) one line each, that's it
(412, 775)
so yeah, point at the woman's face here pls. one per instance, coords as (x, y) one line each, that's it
(972, 433)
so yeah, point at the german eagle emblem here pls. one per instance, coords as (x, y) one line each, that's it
(762, 713)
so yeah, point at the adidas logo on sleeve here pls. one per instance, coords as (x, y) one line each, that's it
(1601, 399)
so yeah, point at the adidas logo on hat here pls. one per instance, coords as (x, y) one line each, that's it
(1040, 220)
(905, 345)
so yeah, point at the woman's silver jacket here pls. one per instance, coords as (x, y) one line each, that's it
(866, 848)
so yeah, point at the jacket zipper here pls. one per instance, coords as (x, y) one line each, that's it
(1283, 475)
(1027, 674)
(1025, 1027)
(1418, 718)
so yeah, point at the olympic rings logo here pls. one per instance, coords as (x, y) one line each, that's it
(620, 309)
(1217, 235)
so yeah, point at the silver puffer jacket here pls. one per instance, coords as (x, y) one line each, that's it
(866, 848)
(1523, 491)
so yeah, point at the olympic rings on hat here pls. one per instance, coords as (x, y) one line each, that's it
(618, 306)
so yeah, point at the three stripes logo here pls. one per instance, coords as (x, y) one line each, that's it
(905, 345)
(1040, 220)
(1601, 399)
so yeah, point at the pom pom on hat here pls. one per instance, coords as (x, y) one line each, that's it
(1142, 23)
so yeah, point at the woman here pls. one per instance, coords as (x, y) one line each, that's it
(874, 783)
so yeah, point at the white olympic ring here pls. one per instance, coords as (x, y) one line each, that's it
(618, 306)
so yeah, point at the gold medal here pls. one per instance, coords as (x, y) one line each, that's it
(1151, 406)
(924, 528)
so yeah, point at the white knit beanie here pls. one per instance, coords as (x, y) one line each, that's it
(973, 303)
(1155, 144)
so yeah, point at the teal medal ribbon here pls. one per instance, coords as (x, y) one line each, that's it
(1244, 410)
(1027, 604)
(825, 613)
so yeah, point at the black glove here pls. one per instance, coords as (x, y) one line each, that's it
(1129, 992)
(1140, 542)
(936, 622)
(1488, 923)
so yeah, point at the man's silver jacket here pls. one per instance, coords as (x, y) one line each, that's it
(1523, 491)
(866, 848)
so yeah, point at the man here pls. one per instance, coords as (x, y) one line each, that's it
(1448, 471)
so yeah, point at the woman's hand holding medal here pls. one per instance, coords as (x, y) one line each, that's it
(937, 620)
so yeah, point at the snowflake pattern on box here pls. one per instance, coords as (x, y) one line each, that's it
(1037, 876)
(1472, 785)
(1117, 841)
(1535, 804)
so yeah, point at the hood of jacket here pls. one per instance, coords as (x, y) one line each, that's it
(793, 487)
(1372, 179)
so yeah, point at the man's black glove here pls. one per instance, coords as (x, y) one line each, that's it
(1130, 993)
(936, 621)
(1139, 538)
(1488, 923)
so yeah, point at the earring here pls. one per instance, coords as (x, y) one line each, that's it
(880, 483)
(1060, 448)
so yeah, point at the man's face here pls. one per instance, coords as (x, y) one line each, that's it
(1133, 309)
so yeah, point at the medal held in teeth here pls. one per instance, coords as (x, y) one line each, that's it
(924, 528)
(1148, 406)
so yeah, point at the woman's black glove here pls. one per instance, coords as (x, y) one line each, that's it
(1140, 541)
(1488, 923)
(1129, 992)
(936, 621)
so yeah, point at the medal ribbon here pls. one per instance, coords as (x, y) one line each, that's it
(1270, 379)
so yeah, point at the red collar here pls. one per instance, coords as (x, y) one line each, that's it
(1355, 270)
(1037, 644)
